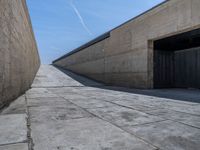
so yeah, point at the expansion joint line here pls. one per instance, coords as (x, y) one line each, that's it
(29, 137)
(140, 138)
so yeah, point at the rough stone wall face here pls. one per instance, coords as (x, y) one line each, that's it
(19, 59)
(127, 55)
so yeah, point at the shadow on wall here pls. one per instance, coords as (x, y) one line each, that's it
(191, 95)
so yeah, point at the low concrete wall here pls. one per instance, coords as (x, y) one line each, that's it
(126, 57)
(19, 59)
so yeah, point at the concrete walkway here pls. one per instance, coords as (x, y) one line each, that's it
(63, 111)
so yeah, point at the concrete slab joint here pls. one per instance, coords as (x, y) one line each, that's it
(79, 113)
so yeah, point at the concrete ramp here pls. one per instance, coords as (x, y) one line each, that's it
(65, 111)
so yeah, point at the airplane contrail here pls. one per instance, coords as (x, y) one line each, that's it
(80, 17)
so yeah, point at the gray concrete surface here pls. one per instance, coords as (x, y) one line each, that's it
(19, 59)
(69, 112)
(17, 107)
(13, 129)
(126, 57)
(20, 146)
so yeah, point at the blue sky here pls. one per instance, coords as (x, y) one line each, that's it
(63, 25)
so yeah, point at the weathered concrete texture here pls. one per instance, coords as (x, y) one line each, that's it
(13, 129)
(81, 116)
(13, 126)
(16, 107)
(20, 146)
(19, 60)
(169, 135)
(126, 57)
(84, 134)
(42, 79)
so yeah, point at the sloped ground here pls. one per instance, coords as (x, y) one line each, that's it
(64, 111)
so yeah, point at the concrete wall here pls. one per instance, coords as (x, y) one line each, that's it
(19, 59)
(126, 57)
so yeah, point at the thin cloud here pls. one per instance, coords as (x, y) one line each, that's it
(55, 48)
(80, 17)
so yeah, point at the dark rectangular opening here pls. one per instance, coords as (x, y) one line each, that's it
(177, 61)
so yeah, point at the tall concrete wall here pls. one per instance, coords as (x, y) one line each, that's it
(19, 59)
(126, 57)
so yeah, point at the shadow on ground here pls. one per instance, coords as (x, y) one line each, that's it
(190, 95)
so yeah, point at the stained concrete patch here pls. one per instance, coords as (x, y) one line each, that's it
(39, 95)
(37, 90)
(123, 116)
(56, 113)
(154, 103)
(84, 134)
(74, 97)
(137, 106)
(168, 135)
(193, 110)
(92, 103)
(20, 146)
(13, 128)
(177, 116)
(47, 101)
(64, 90)
(17, 107)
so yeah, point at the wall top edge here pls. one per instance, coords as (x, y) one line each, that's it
(107, 34)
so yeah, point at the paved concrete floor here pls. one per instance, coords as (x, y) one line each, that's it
(63, 111)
